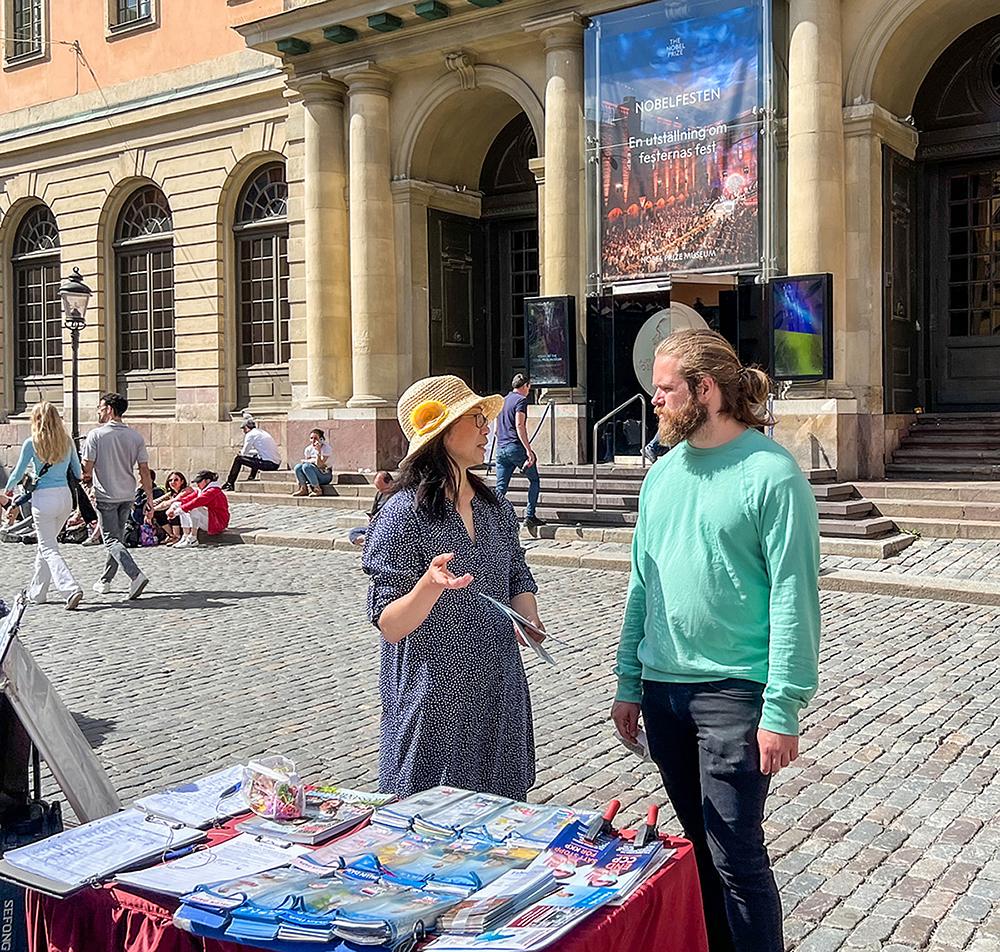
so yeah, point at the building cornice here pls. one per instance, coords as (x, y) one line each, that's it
(869, 118)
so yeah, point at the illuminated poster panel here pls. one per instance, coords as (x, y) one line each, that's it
(801, 318)
(674, 96)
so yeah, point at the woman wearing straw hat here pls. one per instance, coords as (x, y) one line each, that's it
(455, 704)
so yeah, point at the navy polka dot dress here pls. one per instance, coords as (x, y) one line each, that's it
(455, 704)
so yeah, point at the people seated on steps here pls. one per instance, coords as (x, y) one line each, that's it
(207, 510)
(315, 470)
(177, 488)
(258, 452)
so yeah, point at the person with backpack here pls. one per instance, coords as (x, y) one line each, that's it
(51, 454)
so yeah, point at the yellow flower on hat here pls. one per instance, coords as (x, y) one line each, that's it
(428, 407)
(426, 417)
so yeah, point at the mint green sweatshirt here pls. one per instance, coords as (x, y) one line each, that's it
(724, 584)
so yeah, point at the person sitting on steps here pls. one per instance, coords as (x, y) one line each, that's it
(207, 509)
(314, 472)
(259, 451)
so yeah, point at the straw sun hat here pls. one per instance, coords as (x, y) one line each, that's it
(431, 405)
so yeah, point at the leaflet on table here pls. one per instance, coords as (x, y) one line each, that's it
(346, 849)
(199, 802)
(524, 628)
(462, 865)
(498, 902)
(611, 861)
(243, 855)
(529, 824)
(399, 816)
(535, 927)
(468, 812)
(95, 850)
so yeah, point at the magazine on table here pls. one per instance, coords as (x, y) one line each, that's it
(242, 855)
(535, 927)
(530, 824)
(329, 811)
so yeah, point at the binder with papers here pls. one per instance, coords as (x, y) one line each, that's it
(61, 864)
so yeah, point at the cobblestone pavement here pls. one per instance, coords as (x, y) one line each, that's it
(884, 833)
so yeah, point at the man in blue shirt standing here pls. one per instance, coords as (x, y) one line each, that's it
(514, 447)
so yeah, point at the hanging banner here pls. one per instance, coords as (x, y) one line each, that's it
(674, 93)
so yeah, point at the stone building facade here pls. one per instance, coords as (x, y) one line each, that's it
(299, 208)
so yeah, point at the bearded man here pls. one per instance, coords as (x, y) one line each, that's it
(720, 639)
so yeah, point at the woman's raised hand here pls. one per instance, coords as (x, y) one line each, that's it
(439, 575)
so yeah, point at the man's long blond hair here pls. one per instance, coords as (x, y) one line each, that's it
(703, 353)
(48, 435)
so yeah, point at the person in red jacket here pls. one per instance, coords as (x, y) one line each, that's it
(207, 509)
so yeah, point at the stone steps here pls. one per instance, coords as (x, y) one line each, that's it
(986, 492)
(948, 471)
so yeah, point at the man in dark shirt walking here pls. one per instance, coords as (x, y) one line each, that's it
(514, 447)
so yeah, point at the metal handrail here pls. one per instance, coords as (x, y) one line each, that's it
(641, 397)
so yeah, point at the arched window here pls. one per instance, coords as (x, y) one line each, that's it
(261, 234)
(37, 309)
(144, 279)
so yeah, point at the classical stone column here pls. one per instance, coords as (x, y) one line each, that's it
(562, 206)
(816, 196)
(327, 268)
(373, 254)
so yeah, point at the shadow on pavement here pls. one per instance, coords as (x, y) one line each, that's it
(210, 599)
(95, 729)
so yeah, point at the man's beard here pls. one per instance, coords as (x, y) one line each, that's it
(677, 425)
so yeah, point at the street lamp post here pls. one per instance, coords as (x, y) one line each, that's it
(75, 298)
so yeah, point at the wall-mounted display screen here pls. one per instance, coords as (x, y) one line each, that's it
(800, 312)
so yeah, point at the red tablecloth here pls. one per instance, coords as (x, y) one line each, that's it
(664, 914)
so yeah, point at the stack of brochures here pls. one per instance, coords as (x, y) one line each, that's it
(535, 927)
(348, 848)
(456, 816)
(400, 816)
(329, 812)
(498, 902)
(610, 862)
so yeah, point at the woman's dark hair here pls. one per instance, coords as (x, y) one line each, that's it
(431, 474)
(318, 432)
(177, 472)
(206, 474)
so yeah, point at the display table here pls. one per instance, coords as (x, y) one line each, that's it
(664, 914)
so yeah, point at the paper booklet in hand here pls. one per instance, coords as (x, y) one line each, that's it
(526, 629)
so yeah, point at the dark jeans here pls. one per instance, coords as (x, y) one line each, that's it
(509, 458)
(703, 737)
(112, 517)
(254, 462)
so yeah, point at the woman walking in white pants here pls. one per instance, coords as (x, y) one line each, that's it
(51, 454)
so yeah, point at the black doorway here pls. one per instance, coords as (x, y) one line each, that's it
(481, 270)
(957, 112)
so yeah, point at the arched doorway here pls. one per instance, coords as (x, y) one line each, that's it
(481, 270)
(957, 113)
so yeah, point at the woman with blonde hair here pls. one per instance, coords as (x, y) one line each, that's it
(51, 454)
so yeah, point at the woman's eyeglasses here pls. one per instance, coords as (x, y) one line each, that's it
(478, 418)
